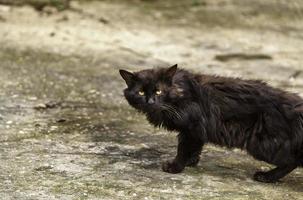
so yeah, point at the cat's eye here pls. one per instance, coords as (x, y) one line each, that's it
(141, 93)
(158, 92)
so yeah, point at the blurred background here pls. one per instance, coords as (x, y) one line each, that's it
(66, 131)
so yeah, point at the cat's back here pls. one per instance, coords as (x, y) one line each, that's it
(236, 93)
(230, 85)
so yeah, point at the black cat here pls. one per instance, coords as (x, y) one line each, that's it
(231, 112)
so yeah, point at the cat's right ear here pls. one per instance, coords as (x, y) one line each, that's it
(127, 76)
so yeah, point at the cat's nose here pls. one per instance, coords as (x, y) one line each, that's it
(150, 101)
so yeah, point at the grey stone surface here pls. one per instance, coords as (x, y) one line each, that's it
(67, 133)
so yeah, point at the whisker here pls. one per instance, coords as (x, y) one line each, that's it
(172, 112)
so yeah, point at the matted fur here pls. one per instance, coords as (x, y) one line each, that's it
(231, 112)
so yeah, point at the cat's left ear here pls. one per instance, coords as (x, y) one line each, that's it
(127, 76)
(170, 72)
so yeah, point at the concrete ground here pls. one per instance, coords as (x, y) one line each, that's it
(66, 131)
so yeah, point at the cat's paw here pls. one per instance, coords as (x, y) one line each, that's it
(264, 177)
(193, 161)
(171, 166)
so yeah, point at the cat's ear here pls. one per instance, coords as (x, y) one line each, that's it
(127, 76)
(170, 72)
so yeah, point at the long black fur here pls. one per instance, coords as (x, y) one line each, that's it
(247, 114)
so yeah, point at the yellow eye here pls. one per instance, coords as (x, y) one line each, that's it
(158, 92)
(141, 93)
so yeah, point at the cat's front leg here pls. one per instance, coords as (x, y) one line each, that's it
(194, 159)
(188, 154)
(172, 166)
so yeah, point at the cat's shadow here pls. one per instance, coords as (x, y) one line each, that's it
(151, 158)
(243, 173)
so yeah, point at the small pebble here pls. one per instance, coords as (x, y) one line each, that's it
(61, 120)
(52, 128)
(32, 98)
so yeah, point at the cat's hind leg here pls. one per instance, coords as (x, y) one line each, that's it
(275, 174)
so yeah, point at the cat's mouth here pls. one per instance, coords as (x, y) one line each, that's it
(155, 108)
(166, 108)
(147, 108)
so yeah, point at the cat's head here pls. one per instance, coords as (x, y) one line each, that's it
(153, 89)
